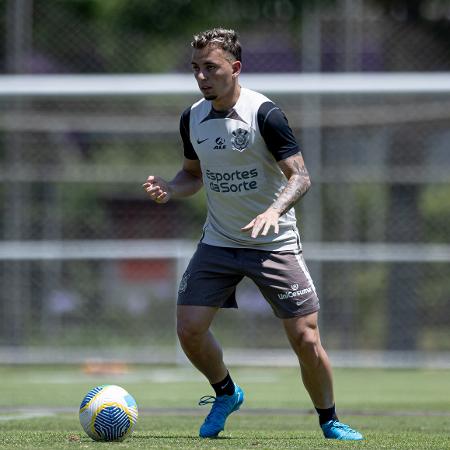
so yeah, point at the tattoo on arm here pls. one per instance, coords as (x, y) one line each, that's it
(296, 187)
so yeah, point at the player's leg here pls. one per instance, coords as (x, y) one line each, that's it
(208, 284)
(303, 335)
(285, 282)
(198, 343)
(206, 355)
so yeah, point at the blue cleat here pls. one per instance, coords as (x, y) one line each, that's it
(222, 407)
(334, 429)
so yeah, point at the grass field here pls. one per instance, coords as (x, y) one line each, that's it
(394, 409)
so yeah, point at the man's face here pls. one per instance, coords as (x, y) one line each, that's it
(214, 71)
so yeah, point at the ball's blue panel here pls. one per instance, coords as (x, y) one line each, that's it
(112, 423)
(90, 395)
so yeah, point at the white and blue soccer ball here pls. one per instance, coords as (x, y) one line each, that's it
(108, 413)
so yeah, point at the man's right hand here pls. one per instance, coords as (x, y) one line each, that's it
(158, 189)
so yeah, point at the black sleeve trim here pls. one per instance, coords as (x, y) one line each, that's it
(189, 152)
(276, 132)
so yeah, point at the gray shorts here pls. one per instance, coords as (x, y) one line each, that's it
(282, 277)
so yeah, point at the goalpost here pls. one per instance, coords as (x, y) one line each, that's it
(171, 84)
(315, 102)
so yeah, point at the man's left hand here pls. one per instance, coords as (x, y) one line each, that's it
(264, 222)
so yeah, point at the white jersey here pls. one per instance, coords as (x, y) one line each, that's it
(238, 152)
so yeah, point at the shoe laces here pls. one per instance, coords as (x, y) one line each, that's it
(219, 405)
(206, 400)
(342, 426)
(338, 424)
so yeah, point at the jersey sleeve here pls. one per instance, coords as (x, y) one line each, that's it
(276, 132)
(189, 152)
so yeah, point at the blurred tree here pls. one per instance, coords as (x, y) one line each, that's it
(427, 16)
(149, 35)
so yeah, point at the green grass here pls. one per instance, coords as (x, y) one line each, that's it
(394, 409)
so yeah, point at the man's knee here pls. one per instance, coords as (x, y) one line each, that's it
(308, 340)
(187, 329)
(305, 340)
(192, 323)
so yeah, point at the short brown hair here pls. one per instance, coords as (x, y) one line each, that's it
(221, 38)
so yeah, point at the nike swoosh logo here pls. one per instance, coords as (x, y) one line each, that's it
(301, 303)
(200, 141)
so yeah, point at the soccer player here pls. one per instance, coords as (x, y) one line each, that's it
(239, 146)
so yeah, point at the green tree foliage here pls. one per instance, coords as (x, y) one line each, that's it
(147, 35)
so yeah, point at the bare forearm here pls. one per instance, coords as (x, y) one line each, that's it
(184, 184)
(297, 186)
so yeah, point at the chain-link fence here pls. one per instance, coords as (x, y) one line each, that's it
(76, 224)
(141, 36)
(375, 225)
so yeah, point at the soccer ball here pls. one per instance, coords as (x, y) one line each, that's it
(108, 413)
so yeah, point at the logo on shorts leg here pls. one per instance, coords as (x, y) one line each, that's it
(294, 292)
(183, 282)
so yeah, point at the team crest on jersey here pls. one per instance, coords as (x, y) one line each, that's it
(240, 139)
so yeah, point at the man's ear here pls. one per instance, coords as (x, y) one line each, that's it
(236, 66)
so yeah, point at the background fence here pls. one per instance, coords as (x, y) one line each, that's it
(88, 266)
(89, 261)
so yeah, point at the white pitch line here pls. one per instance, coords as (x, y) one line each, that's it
(21, 415)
